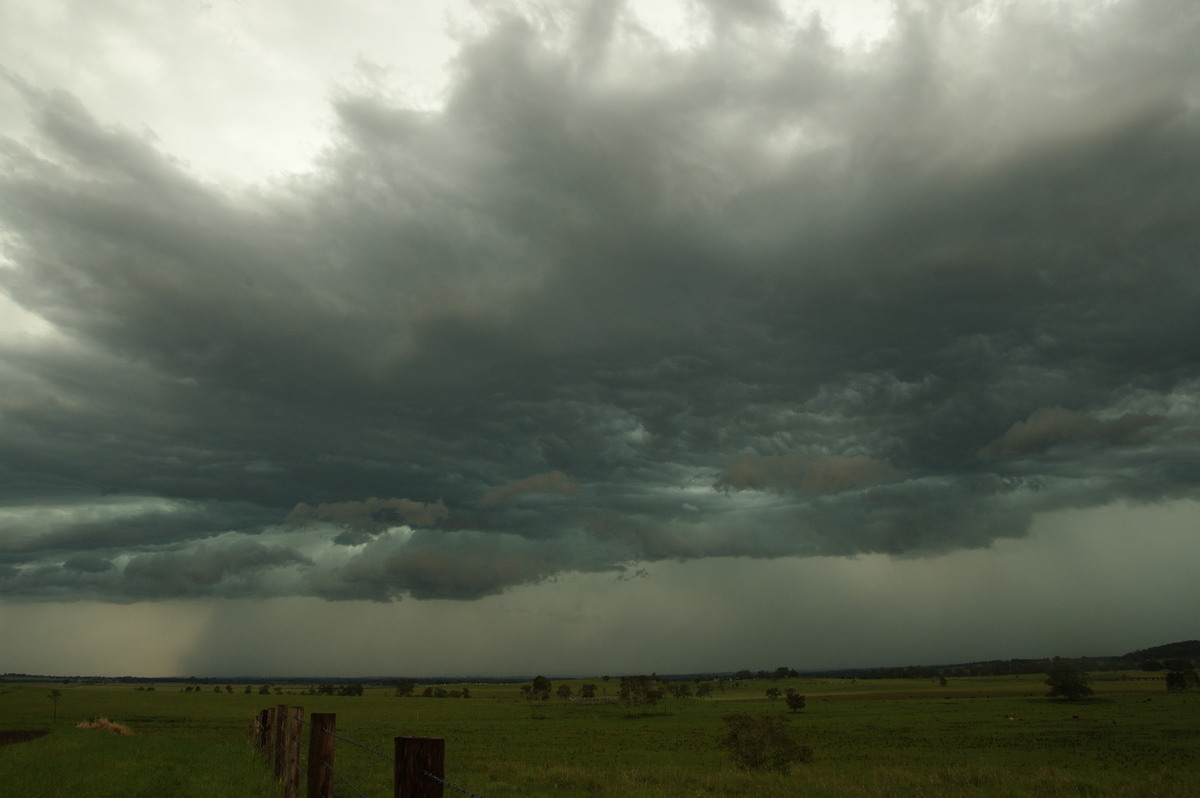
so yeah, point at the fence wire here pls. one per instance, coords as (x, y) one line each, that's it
(381, 755)
(452, 785)
(344, 780)
(360, 745)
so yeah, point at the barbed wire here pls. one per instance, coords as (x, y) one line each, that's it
(383, 756)
(345, 780)
(452, 785)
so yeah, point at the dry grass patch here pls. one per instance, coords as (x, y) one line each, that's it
(104, 724)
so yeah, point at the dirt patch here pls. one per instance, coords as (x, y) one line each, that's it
(104, 724)
(8, 736)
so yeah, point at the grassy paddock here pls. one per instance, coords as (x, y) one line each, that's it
(971, 737)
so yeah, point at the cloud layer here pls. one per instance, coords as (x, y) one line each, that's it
(617, 300)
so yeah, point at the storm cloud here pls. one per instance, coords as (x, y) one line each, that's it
(613, 301)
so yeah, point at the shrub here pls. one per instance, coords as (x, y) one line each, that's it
(763, 743)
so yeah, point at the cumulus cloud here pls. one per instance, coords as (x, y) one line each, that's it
(759, 293)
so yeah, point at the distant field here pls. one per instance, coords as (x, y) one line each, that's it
(972, 737)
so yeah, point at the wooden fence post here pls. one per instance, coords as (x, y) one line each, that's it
(260, 729)
(414, 756)
(269, 735)
(320, 752)
(281, 714)
(293, 728)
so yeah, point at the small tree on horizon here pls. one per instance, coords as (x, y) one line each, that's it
(54, 696)
(539, 690)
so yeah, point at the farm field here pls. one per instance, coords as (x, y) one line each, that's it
(972, 737)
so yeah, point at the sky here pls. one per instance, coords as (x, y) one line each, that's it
(491, 338)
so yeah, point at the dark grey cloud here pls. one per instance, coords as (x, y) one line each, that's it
(615, 302)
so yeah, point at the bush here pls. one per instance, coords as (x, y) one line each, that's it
(763, 743)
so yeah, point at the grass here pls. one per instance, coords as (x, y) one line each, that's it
(971, 737)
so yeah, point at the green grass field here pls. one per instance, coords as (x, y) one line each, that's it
(972, 737)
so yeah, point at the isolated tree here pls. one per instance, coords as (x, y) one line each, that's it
(704, 690)
(587, 691)
(564, 692)
(540, 689)
(54, 696)
(1067, 680)
(773, 693)
(640, 691)
(795, 701)
(763, 743)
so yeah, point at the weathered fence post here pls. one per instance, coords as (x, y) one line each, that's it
(415, 756)
(260, 729)
(320, 754)
(268, 744)
(293, 728)
(281, 714)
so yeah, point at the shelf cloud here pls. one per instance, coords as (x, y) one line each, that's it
(613, 301)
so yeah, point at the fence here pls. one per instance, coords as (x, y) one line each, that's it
(418, 763)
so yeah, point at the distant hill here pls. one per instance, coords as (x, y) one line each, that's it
(1171, 656)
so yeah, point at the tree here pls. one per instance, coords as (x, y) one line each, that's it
(773, 693)
(54, 696)
(704, 690)
(795, 701)
(405, 688)
(763, 743)
(587, 691)
(564, 692)
(640, 691)
(540, 689)
(1068, 680)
